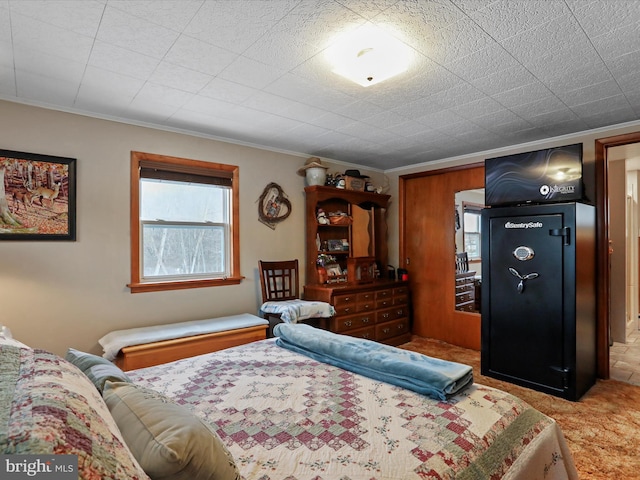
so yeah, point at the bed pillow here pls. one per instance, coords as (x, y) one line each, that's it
(98, 369)
(48, 406)
(167, 439)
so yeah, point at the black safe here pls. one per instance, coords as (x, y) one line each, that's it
(539, 297)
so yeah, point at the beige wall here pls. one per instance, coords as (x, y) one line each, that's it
(56, 295)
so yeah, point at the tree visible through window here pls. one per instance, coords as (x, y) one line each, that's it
(183, 223)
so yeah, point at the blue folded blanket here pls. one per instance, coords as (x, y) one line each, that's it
(430, 376)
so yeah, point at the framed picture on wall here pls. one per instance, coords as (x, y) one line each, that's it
(38, 196)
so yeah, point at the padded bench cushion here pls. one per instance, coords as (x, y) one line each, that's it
(118, 339)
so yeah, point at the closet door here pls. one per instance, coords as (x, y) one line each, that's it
(427, 251)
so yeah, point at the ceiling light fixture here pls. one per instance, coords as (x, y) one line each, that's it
(369, 55)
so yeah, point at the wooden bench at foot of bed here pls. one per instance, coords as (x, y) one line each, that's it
(163, 351)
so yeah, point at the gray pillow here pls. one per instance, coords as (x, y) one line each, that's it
(167, 439)
(98, 369)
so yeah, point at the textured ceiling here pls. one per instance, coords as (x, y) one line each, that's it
(485, 74)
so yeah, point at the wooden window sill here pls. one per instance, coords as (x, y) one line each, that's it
(183, 284)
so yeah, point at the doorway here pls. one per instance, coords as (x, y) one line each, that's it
(623, 172)
(602, 150)
(622, 167)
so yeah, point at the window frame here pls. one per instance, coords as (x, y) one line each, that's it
(475, 209)
(137, 285)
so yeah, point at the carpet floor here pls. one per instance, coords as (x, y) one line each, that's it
(602, 429)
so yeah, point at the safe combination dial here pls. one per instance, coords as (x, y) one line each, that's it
(523, 253)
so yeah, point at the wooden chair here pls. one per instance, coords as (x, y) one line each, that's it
(280, 282)
(462, 262)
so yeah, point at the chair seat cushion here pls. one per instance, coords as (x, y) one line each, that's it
(292, 311)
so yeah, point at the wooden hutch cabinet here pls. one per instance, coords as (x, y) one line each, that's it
(367, 304)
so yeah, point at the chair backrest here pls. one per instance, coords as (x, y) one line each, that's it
(279, 280)
(462, 262)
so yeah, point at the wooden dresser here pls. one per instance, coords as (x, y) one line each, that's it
(377, 310)
(466, 291)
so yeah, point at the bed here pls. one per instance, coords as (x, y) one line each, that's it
(279, 414)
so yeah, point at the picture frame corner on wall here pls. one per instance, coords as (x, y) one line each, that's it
(37, 196)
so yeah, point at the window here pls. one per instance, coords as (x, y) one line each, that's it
(471, 230)
(184, 223)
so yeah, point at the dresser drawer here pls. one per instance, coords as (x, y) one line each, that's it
(366, 297)
(392, 329)
(368, 333)
(386, 293)
(365, 303)
(384, 298)
(392, 313)
(352, 322)
(466, 307)
(465, 296)
(344, 300)
(401, 311)
(345, 304)
(464, 288)
(400, 299)
(384, 302)
(400, 291)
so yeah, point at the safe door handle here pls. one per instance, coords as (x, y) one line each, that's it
(522, 278)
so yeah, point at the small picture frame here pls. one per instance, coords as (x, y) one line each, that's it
(334, 245)
(333, 270)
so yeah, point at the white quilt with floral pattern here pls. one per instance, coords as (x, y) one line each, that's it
(286, 416)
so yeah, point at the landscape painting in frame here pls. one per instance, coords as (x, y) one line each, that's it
(38, 197)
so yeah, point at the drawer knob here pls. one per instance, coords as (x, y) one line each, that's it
(401, 326)
(400, 312)
(365, 335)
(365, 320)
(347, 323)
(385, 315)
(347, 310)
(385, 330)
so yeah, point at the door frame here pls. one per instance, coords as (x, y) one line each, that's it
(602, 239)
